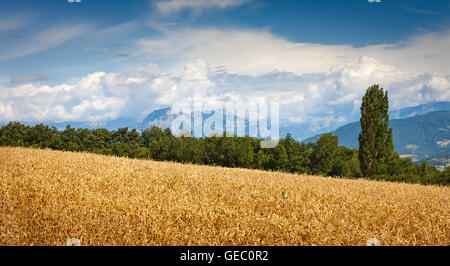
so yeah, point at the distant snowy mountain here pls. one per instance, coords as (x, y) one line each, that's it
(163, 118)
(300, 131)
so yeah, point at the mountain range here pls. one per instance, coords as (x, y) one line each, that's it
(419, 137)
(420, 132)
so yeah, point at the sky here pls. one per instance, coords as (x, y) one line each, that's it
(99, 60)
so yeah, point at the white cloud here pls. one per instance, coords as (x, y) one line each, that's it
(168, 7)
(257, 52)
(296, 120)
(320, 99)
(6, 112)
(243, 52)
(317, 84)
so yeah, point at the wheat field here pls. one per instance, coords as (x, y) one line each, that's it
(47, 197)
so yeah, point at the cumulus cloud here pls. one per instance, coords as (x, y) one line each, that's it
(243, 51)
(315, 84)
(255, 52)
(84, 100)
(168, 7)
(321, 100)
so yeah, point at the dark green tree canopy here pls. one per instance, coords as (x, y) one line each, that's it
(375, 140)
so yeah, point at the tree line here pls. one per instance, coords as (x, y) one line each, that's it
(325, 157)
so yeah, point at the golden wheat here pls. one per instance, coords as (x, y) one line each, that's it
(48, 197)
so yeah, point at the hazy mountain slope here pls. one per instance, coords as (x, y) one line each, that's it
(423, 136)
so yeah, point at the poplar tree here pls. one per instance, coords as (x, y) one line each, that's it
(375, 140)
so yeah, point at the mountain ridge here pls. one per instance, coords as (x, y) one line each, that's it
(421, 137)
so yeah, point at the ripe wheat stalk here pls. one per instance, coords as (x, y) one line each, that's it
(48, 197)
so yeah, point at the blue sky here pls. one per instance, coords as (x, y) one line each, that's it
(98, 59)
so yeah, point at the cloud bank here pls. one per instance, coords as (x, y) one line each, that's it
(256, 52)
(316, 84)
(319, 99)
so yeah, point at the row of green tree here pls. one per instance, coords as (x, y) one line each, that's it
(325, 157)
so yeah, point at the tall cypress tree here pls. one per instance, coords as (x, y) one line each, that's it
(375, 140)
